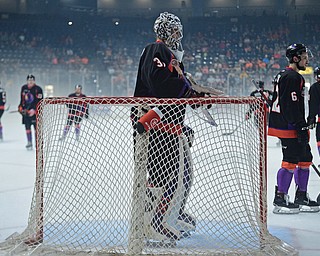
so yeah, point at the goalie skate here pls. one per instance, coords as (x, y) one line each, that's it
(186, 224)
(305, 203)
(164, 243)
(159, 233)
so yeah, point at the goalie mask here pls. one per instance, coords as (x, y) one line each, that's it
(168, 28)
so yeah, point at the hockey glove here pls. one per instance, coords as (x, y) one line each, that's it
(302, 133)
(22, 111)
(311, 121)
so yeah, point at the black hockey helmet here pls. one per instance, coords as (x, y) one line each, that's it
(295, 50)
(260, 84)
(31, 77)
(78, 86)
(316, 73)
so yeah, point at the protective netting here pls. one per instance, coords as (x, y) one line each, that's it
(149, 176)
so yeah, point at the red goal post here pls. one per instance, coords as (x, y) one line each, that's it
(92, 192)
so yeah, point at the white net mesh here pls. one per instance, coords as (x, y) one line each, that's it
(192, 183)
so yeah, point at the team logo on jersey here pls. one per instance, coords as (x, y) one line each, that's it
(28, 97)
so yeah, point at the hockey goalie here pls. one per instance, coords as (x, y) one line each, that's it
(169, 165)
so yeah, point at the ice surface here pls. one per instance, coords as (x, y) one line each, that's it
(17, 175)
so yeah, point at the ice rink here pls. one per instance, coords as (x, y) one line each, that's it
(17, 175)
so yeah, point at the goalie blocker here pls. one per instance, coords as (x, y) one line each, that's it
(165, 215)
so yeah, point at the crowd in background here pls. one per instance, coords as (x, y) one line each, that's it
(219, 52)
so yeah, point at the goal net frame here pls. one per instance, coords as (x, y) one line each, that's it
(208, 112)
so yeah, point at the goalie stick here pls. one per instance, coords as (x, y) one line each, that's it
(232, 132)
(208, 117)
(200, 89)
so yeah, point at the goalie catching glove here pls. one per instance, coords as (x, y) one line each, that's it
(202, 89)
(198, 89)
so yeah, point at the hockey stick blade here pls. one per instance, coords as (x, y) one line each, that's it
(315, 169)
(209, 117)
(7, 108)
(318, 172)
(13, 111)
(232, 132)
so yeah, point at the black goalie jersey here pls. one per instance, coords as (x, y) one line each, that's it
(158, 78)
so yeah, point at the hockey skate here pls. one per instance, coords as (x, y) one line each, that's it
(282, 205)
(306, 204)
(29, 146)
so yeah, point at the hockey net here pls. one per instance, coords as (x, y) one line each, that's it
(194, 186)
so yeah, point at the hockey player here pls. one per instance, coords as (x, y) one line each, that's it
(314, 106)
(267, 98)
(75, 113)
(158, 77)
(287, 122)
(2, 108)
(30, 95)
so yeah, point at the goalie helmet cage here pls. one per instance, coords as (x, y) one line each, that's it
(94, 196)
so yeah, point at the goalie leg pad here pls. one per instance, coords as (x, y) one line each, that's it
(156, 226)
(165, 216)
(162, 212)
